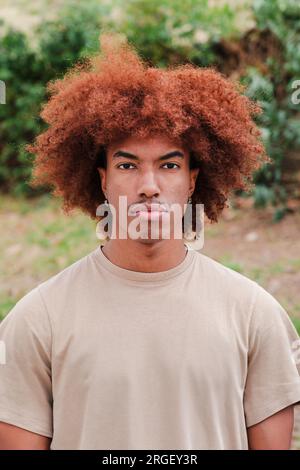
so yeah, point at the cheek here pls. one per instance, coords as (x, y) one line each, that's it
(177, 189)
(120, 186)
(118, 189)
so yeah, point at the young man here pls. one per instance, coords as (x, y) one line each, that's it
(142, 343)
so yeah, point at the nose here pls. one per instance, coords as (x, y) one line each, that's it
(148, 187)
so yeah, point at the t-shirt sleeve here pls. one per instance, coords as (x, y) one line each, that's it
(273, 375)
(25, 366)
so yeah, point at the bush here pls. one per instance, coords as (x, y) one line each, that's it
(172, 31)
(273, 88)
(20, 70)
(25, 71)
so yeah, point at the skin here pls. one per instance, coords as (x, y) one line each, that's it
(15, 438)
(147, 179)
(273, 433)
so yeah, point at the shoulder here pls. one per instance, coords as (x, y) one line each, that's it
(27, 325)
(226, 279)
(67, 276)
(28, 308)
(241, 293)
(257, 310)
(37, 305)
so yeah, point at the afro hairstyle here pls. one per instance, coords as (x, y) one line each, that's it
(115, 93)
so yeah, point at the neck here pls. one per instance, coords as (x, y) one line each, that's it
(136, 255)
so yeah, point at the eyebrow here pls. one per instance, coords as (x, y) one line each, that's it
(121, 153)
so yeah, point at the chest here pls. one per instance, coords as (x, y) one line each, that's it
(168, 342)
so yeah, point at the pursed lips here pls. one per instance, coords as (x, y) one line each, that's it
(147, 208)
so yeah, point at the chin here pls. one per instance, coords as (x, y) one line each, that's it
(148, 241)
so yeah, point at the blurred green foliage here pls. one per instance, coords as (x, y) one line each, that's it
(172, 31)
(280, 123)
(26, 69)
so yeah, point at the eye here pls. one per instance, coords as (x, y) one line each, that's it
(119, 166)
(170, 163)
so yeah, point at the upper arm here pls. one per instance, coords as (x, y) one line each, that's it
(26, 399)
(273, 370)
(15, 438)
(273, 433)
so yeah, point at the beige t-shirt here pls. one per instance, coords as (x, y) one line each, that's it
(101, 357)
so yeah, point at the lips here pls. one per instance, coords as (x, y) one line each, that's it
(137, 208)
(152, 209)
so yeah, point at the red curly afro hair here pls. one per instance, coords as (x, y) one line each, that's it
(116, 94)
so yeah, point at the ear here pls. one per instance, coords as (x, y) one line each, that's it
(193, 177)
(102, 174)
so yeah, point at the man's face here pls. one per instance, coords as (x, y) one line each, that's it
(153, 171)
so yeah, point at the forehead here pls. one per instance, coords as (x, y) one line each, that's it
(150, 145)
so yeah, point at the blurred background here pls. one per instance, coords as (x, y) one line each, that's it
(255, 42)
